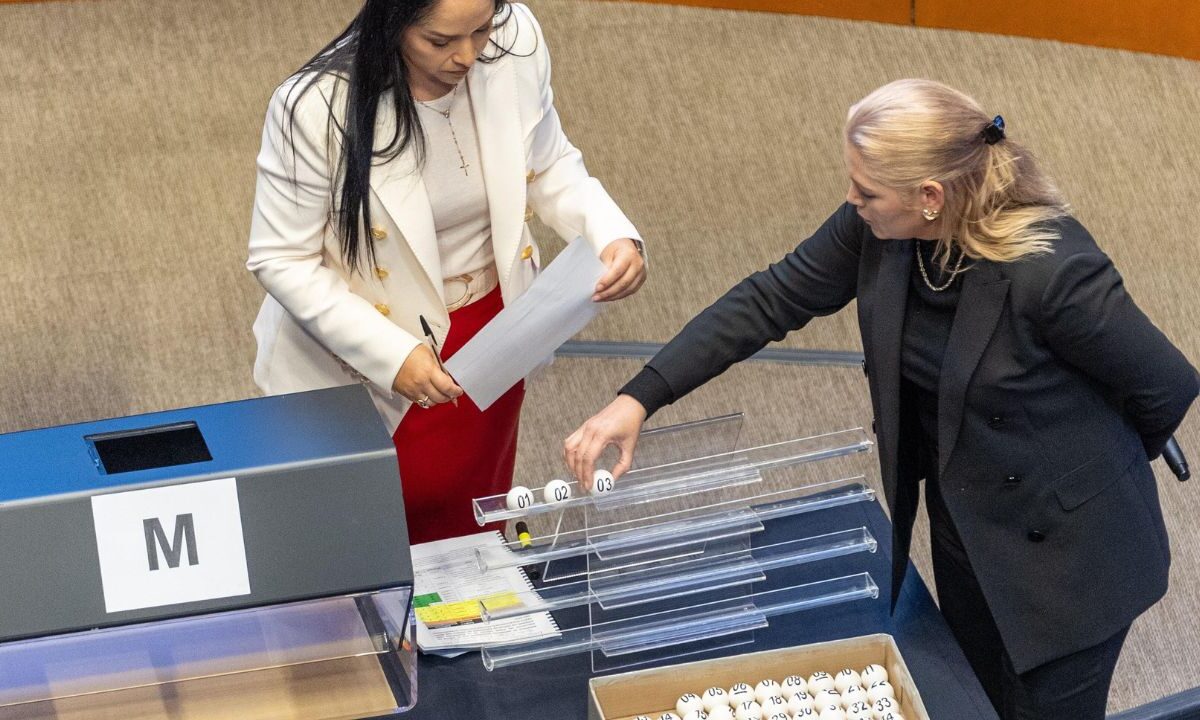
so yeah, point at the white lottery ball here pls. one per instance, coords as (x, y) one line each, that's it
(860, 707)
(748, 710)
(773, 704)
(739, 692)
(881, 689)
(860, 715)
(696, 715)
(801, 701)
(832, 714)
(643, 717)
(721, 712)
(844, 679)
(519, 498)
(853, 694)
(714, 697)
(602, 482)
(793, 683)
(828, 700)
(780, 716)
(668, 716)
(805, 713)
(873, 674)
(885, 705)
(890, 716)
(687, 703)
(765, 689)
(819, 681)
(556, 491)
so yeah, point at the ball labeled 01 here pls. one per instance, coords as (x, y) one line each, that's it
(602, 482)
(556, 491)
(519, 498)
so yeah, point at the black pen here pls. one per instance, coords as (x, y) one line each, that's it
(437, 355)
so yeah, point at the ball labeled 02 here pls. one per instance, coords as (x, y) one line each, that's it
(602, 482)
(519, 498)
(556, 491)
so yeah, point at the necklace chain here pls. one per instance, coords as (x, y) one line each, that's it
(925, 276)
(453, 135)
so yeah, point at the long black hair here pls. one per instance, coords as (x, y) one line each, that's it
(366, 58)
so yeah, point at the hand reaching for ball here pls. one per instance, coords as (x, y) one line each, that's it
(618, 424)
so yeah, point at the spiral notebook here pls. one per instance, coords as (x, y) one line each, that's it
(449, 587)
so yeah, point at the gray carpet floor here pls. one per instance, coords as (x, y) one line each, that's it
(129, 130)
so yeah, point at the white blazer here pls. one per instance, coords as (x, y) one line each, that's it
(322, 325)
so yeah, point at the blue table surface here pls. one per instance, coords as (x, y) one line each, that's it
(557, 689)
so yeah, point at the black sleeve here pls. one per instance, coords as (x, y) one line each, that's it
(649, 389)
(818, 278)
(1091, 322)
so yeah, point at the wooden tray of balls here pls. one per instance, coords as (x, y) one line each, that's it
(659, 693)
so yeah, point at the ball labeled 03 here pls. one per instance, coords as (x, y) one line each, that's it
(602, 482)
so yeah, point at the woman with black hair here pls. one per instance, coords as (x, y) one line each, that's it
(398, 170)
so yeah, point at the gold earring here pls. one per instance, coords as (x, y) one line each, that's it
(929, 214)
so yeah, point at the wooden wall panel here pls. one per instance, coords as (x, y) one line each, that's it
(890, 11)
(1167, 27)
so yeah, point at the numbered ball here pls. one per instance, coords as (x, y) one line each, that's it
(773, 704)
(873, 674)
(780, 716)
(556, 491)
(687, 703)
(793, 684)
(721, 712)
(844, 679)
(714, 697)
(602, 482)
(890, 715)
(885, 705)
(739, 692)
(853, 694)
(765, 689)
(860, 714)
(828, 700)
(668, 716)
(748, 710)
(832, 714)
(880, 690)
(801, 701)
(804, 714)
(519, 498)
(696, 715)
(859, 707)
(819, 681)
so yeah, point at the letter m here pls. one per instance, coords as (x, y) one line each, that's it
(156, 537)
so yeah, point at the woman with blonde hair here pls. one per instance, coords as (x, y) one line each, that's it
(1008, 368)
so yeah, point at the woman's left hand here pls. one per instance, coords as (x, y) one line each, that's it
(626, 271)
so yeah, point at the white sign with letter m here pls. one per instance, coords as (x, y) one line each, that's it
(170, 545)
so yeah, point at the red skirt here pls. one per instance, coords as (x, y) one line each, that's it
(449, 455)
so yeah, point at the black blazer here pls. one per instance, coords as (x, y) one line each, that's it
(1055, 392)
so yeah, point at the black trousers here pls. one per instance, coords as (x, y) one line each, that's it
(1074, 686)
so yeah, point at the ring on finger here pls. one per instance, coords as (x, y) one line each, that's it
(424, 402)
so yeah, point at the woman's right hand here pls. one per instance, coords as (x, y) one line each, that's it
(420, 377)
(618, 424)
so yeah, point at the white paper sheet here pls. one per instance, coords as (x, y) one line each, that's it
(525, 334)
(448, 568)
